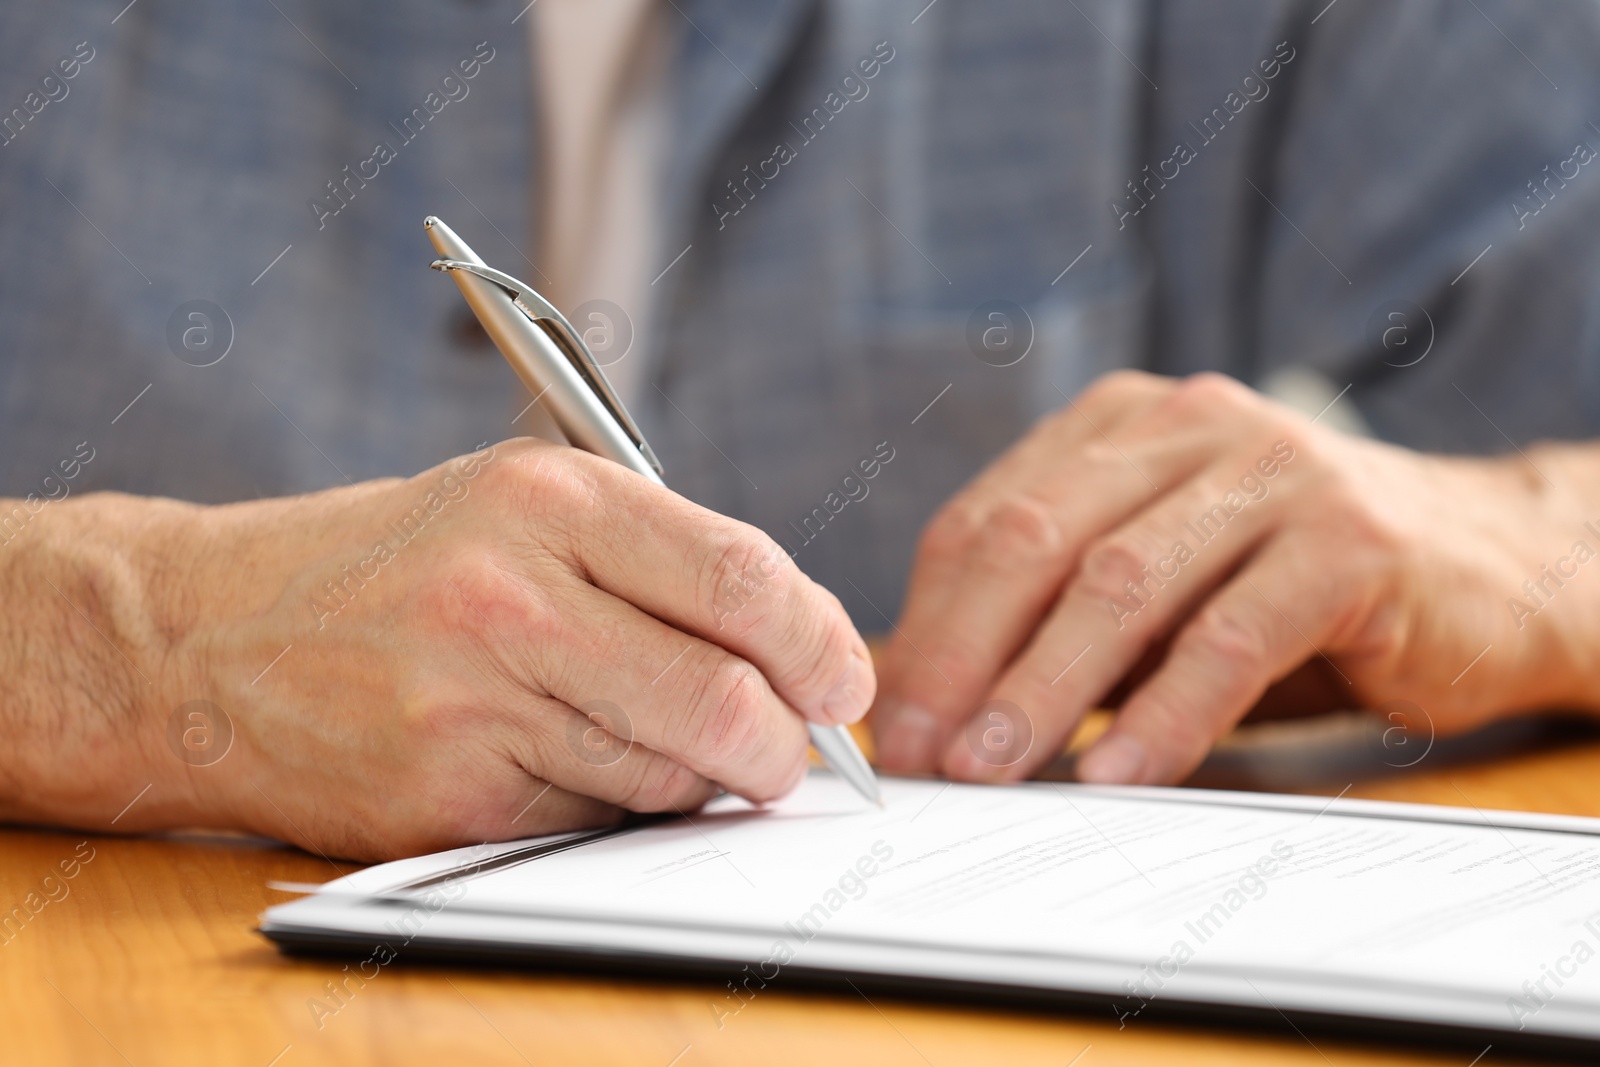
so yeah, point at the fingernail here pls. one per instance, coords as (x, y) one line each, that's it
(1116, 760)
(851, 695)
(909, 739)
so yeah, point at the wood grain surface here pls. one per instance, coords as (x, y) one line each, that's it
(149, 956)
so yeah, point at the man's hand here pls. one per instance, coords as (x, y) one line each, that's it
(525, 640)
(1188, 544)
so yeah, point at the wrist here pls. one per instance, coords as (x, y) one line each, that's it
(1553, 607)
(92, 665)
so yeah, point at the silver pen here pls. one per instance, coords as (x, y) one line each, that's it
(556, 365)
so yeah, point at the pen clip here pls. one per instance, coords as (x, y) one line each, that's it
(545, 315)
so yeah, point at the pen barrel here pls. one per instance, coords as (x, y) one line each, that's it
(839, 750)
(540, 363)
(544, 369)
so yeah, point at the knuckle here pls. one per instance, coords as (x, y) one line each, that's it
(1109, 567)
(745, 579)
(1101, 457)
(544, 487)
(825, 647)
(952, 532)
(1209, 394)
(516, 457)
(727, 711)
(1116, 387)
(479, 597)
(446, 607)
(1228, 638)
(545, 477)
(1021, 529)
(954, 662)
(659, 785)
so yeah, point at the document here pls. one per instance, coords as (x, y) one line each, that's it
(1120, 897)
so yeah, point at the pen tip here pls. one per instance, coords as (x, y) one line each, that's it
(430, 222)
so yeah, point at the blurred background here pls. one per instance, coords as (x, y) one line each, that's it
(800, 234)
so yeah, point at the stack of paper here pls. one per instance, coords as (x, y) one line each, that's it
(1119, 900)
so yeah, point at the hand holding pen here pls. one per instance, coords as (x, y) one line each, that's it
(554, 363)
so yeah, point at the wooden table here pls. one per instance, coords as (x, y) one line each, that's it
(151, 959)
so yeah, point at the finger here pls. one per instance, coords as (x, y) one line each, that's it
(505, 804)
(1013, 570)
(943, 554)
(1107, 405)
(1133, 587)
(535, 808)
(592, 750)
(689, 700)
(1312, 689)
(710, 576)
(697, 704)
(1258, 629)
(1003, 584)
